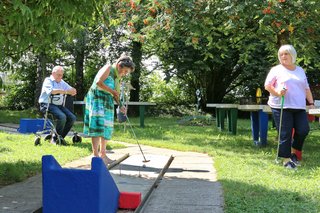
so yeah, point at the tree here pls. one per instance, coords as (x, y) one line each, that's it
(133, 17)
(21, 95)
(191, 41)
(82, 47)
(39, 26)
(216, 44)
(281, 22)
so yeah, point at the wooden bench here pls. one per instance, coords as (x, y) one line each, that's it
(142, 106)
(258, 116)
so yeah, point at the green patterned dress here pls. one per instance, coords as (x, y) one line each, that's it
(99, 109)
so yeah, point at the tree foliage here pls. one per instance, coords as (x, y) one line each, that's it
(129, 16)
(40, 27)
(224, 45)
(21, 85)
(40, 24)
(156, 90)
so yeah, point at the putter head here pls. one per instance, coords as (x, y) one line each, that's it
(276, 161)
(146, 161)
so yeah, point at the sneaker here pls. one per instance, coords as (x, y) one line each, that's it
(259, 144)
(295, 160)
(61, 141)
(290, 165)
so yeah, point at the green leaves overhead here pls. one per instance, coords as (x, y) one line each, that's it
(38, 24)
(229, 43)
(218, 45)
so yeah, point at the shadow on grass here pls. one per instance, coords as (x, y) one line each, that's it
(5, 149)
(242, 197)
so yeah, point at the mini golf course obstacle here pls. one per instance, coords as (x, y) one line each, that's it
(129, 200)
(79, 190)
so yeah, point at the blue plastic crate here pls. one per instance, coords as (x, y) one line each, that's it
(31, 125)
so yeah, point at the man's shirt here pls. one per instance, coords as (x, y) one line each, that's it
(50, 84)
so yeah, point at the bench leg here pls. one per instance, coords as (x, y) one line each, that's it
(141, 113)
(218, 118)
(263, 120)
(221, 115)
(259, 126)
(254, 117)
(233, 121)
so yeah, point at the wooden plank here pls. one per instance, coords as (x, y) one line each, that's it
(223, 105)
(250, 108)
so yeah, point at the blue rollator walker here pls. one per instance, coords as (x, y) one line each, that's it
(48, 126)
(123, 117)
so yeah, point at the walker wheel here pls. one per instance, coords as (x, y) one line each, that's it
(37, 141)
(76, 138)
(48, 137)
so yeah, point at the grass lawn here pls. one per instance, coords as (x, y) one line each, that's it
(11, 116)
(251, 181)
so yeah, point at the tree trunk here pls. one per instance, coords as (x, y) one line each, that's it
(135, 78)
(215, 92)
(218, 82)
(41, 73)
(283, 38)
(79, 80)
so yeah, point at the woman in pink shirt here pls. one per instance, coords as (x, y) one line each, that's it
(290, 81)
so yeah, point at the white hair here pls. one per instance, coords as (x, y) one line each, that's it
(57, 68)
(290, 49)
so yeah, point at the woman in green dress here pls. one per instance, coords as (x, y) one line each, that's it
(99, 110)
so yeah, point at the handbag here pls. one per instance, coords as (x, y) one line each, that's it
(57, 99)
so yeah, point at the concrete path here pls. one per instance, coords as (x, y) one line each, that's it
(189, 185)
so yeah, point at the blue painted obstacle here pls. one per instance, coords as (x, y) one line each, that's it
(78, 190)
(32, 125)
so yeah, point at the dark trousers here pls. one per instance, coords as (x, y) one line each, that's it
(291, 118)
(65, 119)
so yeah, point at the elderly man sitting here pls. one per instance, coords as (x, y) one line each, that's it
(56, 87)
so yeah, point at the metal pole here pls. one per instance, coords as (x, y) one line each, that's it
(134, 134)
(280, 125)
(154, 185)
